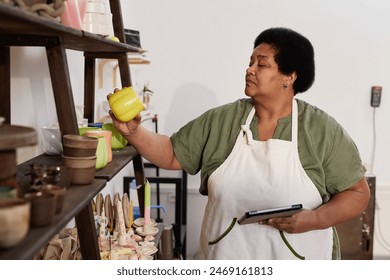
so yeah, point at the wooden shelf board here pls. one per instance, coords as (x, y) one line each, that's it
(120, 159)
(76, 198)
(14, 20)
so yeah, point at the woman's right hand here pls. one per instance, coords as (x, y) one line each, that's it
(125, 128)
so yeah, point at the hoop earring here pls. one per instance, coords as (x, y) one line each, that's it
(285, 86)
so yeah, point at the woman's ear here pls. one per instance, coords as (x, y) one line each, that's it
(290, 78)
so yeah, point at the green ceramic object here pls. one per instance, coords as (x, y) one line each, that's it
(118, 141)
(101, 152)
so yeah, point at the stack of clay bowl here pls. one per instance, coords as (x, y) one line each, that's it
(14, 210)
(79, 153)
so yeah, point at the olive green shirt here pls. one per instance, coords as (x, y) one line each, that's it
(327, 153)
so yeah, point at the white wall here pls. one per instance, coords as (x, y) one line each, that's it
(199, 52)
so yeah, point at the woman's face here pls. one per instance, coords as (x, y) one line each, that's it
(262, 76)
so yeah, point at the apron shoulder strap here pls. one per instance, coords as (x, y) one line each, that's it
(245, 128)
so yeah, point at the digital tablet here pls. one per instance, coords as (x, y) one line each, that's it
(259, 215)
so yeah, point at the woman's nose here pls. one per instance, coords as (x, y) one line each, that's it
(250, 71)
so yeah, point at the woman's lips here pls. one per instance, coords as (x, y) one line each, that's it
(249, 81)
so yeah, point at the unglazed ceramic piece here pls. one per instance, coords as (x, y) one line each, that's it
(140, 222)
(151, 231)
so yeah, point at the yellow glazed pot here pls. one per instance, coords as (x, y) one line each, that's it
(125, 104)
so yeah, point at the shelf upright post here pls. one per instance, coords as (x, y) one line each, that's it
(67, 119)
(117, 22)
(89, 87)
(62, 89)
(5, 81)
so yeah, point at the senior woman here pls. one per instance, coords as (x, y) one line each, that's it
(266, 151)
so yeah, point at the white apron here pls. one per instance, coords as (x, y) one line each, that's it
(260, 175)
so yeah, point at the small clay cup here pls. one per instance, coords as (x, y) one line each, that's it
(43, 208)
(14, 221)
(79, 146)
(83, 169)
(59, 193)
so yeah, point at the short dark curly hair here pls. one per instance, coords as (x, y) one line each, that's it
(294, 53)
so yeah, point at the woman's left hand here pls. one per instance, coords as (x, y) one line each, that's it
(303, 221)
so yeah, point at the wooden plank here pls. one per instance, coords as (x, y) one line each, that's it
(16, 21)
(124, 70)
(117, 20)
(5, 81)
(120, 159)
(86, 230)
(62, 89)
(139, 175)
(89, 88)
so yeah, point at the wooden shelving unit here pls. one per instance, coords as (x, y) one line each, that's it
(21, 28)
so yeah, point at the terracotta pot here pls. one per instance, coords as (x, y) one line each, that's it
(83, 169)
(14, 221)
(43, 208)
(79, 146)
(59, 193)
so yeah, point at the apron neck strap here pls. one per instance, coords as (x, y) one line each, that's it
(246, 127)
(294, 124)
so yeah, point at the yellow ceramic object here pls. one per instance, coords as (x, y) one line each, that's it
(125, 104)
